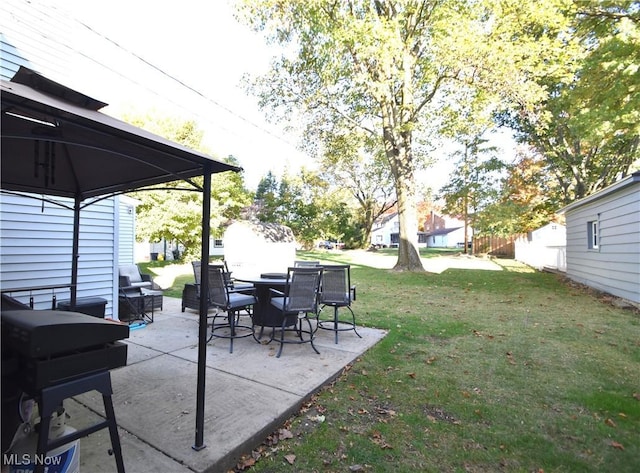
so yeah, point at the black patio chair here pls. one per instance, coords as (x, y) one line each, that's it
(138, 295)
(299, 299)
(191, 291)
(336, 291)
(230, 303)
(228, 279)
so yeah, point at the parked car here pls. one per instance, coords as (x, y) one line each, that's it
(327, 245)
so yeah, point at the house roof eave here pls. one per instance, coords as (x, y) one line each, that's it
(616, 186)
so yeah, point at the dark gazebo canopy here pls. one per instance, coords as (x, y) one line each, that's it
(55, 142)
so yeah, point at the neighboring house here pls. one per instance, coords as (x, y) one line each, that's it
(544, 248)
(603, 239)
(446, 238)
(386, 232)
(382, 229)
(36, 236)
(443, 232)
(434, 222)
(216, 247)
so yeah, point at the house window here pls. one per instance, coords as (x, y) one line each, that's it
(592, 235)
(218, 243)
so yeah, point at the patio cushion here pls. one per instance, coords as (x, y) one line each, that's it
(240, 300)
(132, 272)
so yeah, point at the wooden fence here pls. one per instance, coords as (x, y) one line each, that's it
(503, 247)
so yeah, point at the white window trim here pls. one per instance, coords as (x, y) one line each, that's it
(593, 234)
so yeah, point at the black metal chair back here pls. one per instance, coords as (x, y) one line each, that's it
(305, 264)
(223, 266)
(218, 290)
(336, 291)
(230, 303)
(302, 289)
(336, 285)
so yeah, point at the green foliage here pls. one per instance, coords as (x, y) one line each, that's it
(474, 185)
(356, 163)
(525, 201)
(400, 71)
(307, 204)
(588, 128)
(175, 213)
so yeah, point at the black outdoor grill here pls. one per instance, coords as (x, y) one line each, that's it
(52, 355)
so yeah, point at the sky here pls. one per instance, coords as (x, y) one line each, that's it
(184, 59)
(181, 59)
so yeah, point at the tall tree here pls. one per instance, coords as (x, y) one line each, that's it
(525, 201)
(388, 67)
(588, 128)
(355, 163)
(473, 185)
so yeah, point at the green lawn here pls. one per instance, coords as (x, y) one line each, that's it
(482, 371)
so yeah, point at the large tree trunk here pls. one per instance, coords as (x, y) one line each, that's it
(398, 149)
(408, 254)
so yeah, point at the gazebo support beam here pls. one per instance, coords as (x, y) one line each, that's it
(204, 308)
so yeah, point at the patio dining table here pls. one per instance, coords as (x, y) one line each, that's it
(264, 314)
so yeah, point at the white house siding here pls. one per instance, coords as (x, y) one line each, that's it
(36, 245)
(446, 238)
(383, 228)
(614, 267)
(125, 229)
(545, 247)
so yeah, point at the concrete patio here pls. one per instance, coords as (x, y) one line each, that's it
(249, 394)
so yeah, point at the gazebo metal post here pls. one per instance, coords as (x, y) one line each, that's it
(75, 252)
(204, 308)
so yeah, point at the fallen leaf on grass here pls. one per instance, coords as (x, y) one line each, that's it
(636, 396)
(379, 441)
(411, 375)
(290, 458)
(356, 468)
(389, 412)
(610, 423)
(285, 434)
(245, 463)
(617, 445)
